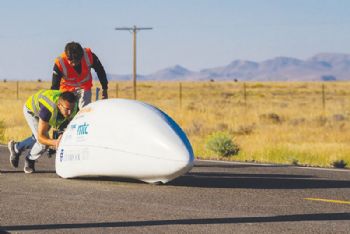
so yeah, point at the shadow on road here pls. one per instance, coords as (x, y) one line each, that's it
(21, 172)
(217, 179)
(224, 174)
(255, 181)
(112, 179)
(206, 221)
(249, 181)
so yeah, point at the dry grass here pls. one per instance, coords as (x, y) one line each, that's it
(276, 122)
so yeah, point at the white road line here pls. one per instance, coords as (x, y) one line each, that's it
(275, 165)
(324, 169)
(242, 163)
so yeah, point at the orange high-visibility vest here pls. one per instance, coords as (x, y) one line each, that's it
(71, 80)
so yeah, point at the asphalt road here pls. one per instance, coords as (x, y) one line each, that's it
(215, 197)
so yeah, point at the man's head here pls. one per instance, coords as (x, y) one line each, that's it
(66, 103)
(74, 53)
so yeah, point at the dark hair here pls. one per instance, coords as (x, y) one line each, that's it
(68, 96)
(74, 51)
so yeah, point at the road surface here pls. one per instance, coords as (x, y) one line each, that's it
(214, 197)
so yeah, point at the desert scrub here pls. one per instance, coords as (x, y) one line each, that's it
(272, 122)
(221, 143)
(2, 131)
(339, 164)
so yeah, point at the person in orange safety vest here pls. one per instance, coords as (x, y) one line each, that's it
(72, 73)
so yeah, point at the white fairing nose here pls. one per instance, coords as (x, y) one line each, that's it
(124, 138)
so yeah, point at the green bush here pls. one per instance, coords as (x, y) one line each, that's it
(295, 162)
(222, 144)
(339, 164)
(2, 131)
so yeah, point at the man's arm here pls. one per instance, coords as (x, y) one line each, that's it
(43, 134)
(101, 74)
(44, 127)
(56, 78)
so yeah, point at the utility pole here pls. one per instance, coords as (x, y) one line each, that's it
(134, 30)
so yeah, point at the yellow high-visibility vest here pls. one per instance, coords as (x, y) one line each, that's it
(49, 99)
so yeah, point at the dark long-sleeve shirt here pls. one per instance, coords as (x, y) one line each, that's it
(96, 65)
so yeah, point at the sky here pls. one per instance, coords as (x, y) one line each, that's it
(195, 34)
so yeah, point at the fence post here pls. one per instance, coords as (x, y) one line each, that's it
(97, 93)
(180, 95)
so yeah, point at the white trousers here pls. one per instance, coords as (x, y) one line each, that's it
(38, 149)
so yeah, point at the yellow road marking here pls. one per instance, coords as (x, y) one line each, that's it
(328, 200)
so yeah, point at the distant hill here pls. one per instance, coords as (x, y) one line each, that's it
(176, 72)
(321, 67)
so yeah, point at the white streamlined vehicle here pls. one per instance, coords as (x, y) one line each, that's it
(124, 138)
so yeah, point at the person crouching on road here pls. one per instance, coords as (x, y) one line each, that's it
(43, 110)
(72, 73)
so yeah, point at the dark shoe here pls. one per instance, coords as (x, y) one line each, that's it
(14, 157)
(29, 165)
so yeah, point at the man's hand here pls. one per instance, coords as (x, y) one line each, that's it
(58, 142)
(105, 94)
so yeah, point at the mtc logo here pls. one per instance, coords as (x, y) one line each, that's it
(82, 129)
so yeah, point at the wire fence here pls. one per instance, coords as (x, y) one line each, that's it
(185, 95)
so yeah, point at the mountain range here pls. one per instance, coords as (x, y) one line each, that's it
(321, 67)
